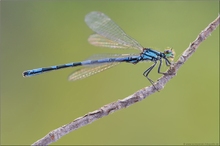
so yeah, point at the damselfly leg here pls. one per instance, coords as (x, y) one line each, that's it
(146, 73)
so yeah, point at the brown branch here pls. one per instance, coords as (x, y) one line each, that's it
(136, 97)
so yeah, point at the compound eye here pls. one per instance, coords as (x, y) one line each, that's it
(167, 51)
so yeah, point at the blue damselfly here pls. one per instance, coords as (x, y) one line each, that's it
(109, 34)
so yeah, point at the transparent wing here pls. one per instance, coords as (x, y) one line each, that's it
(92, 69)
(108, 55)
(104, 26)
(98, 40)
(88, 71)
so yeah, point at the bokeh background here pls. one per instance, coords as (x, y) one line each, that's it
(43, 33)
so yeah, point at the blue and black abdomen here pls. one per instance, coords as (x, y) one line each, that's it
(46, 69)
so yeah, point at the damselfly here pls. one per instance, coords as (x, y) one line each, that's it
(109, 34)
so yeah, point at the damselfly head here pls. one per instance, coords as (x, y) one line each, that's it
(169, 52)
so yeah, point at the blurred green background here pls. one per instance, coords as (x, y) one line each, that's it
(43, 33)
